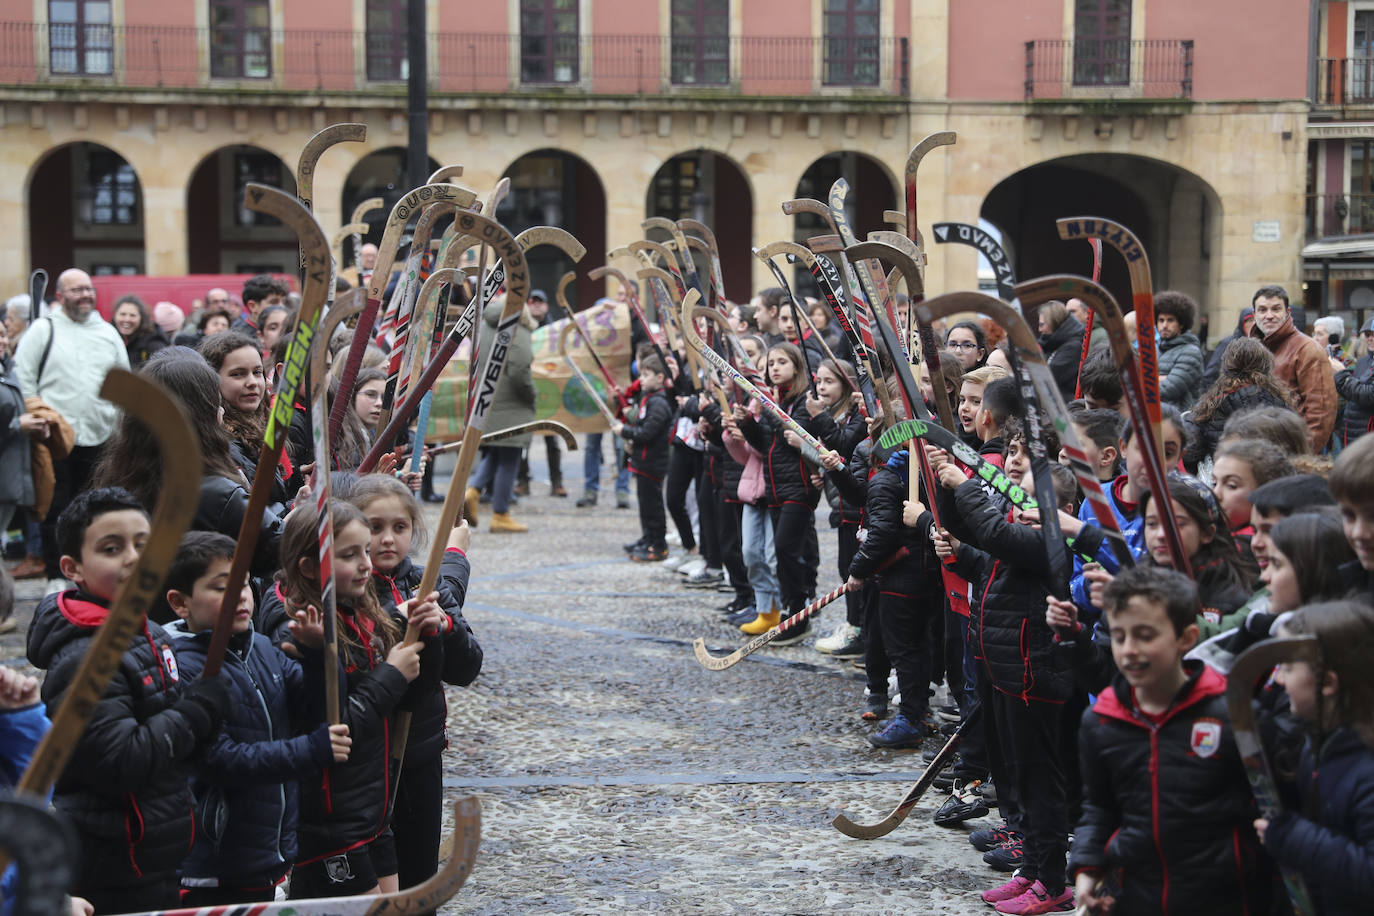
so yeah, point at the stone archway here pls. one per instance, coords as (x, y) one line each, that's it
(1175, 214)
(86, 211)
(381, 173)
(707, 186)
(871, 191)
(225, 236)
(550, 187)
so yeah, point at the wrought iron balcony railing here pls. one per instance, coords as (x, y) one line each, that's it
(1339, 214)
(1345, 81)
(1109, 68)
(190, 58)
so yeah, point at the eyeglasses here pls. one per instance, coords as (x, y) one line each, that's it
(962, 345)
(80, 289)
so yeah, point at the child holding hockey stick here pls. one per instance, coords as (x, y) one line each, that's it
(244, 783)
(1331, 841)
(393, 513)
(1166, 804)
(647, 436)
(345, 811)
(125, 788)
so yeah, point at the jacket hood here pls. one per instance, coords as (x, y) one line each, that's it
(1070, 329)
(1247, 312)
(60, 619)
(1187, 337)
(1119, 701)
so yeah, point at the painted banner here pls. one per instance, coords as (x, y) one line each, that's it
(559, 394)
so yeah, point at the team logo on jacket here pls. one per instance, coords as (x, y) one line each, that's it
(1206, 737)
(169, 661)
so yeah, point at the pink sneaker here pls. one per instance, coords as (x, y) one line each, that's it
(1009, 891)
(1037, 900)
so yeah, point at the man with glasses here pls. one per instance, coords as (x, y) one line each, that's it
(1299, 362)
(63, 359)
(1356, 385)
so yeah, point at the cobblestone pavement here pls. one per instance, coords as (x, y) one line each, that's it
(617, 775)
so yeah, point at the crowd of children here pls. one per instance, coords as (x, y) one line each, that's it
(1094, 698)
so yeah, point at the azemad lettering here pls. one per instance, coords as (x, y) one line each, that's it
(297, 353)
(1108, 231)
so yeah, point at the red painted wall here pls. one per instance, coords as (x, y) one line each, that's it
(1271, 61)
(1336, 34)
(987, 44)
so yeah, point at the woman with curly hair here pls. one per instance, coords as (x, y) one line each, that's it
(1247, 380)
(142, 337)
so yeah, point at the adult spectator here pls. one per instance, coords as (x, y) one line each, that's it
(142, 338)
(1356, 385)
(17, 427)
(170, 318)
(1299, 362)
(1061, 337)
(1329, 331)
(1180, 354)
(538, 306)
(258, 293)
(1244, 323)
(212, 321)
(17, 310)
(219, 299)
(1079, 309)
(62, 361)
(361, 274)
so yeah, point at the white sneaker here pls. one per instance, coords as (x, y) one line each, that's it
(694, 565)
(674, 539)
(838, 638)
(676, 560)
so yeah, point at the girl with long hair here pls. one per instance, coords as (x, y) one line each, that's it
(1306, 552)
(1246, 381)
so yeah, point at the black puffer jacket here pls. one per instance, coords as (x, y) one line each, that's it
(722, 471)
(1336, 853)
(916, 574)
(1063, 346)
(786, 477)
(850, 484)
(1204, 437)
(349, 803)
(244, 786)
(1006, 563)
(462, 656)
(125, 788)
(648, 436)
(1168, 804)
(222, 505)
(1356, 386)
(842, 436)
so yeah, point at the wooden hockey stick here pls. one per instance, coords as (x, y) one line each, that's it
(262, 199)
(712, 259)
(1033, 293)
(153, 406)
(943, 759)
(1142, 301)
(903, 432)
(970, 235)
(596, 397)
(713, 250)
(401, 213)
(310, 157)
(721, 662)
(347, 306)
(358, 218)
(1250, 667)
(720, 364)
(913, 165)
(346, 231)
(423, 898)
(632, 297)
(575, 323)
(684, 252)
(1088, 325)
(445, 173)
(536, 427)
(796, 317)
(430, 306)
(38, 288)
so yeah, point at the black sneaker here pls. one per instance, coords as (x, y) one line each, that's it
(987, 838)
(745, 614)
(588, 499)
(875, 707)
(852, 649)
(737, 604)
(1007, 857)
(950, 712)
(645, 554)
(622, 500)
(964, 805)
(989, 793)
(794, 634)
(632, 546)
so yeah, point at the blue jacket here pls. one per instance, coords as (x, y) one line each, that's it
(244, 785)
(20, 732)
(1335, 853)
(1132, 526)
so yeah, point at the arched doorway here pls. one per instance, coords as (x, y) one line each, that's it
(549, 187)
(225, 236)
(86, 211)
(1175, 214)
(378, 174)
(870, 193)
(711, 188)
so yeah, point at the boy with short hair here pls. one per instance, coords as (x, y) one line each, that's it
(971, 399)
(648, 459)
(1352, 484)
(244, 784)
(1101, 380)
(1166, 803)
(1001, 401)
(1099, 432)
(125, 787)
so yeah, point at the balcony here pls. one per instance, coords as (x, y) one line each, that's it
(172, 58)
(1339, 214)
(1059, 70)
(1345, 81)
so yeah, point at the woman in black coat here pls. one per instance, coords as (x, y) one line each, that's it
(142, 338)
(1061, 337)
(1247, 380)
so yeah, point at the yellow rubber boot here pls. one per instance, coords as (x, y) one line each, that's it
(471, 499)
(762, 623)
(502, 523)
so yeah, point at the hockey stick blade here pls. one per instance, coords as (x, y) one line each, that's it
(892, 821)
(985, 470)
